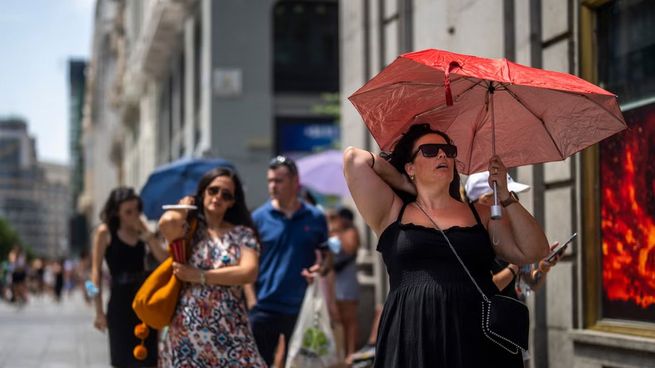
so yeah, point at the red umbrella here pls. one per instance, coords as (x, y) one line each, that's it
(525, 115)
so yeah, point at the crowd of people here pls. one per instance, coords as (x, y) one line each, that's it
(244, 280)
(23, 276)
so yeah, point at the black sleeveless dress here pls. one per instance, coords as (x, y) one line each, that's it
(127, 272)
(432, 315)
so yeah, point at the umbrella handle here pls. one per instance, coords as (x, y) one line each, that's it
(496, 209)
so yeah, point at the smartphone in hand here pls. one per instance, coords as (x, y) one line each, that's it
(558, 250)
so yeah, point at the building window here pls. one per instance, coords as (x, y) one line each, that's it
(306, 46)
(626, 49)
(627, 209)
(619, 173)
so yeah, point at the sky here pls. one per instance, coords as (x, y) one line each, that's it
(37, 38)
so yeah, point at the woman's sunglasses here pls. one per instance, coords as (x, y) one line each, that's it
(432, 149)
(224, 193)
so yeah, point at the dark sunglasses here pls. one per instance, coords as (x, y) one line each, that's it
(224, 193)
(278, 161)
(432, 149)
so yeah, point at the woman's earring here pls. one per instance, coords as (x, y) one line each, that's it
(411, 177)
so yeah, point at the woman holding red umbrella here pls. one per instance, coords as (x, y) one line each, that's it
(432, 315)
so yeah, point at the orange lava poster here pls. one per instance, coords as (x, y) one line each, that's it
(627, 187)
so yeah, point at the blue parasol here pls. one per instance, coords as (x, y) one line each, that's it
(172, 181)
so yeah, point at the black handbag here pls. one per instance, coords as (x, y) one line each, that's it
(505, 320)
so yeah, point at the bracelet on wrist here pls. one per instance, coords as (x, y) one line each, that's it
(372, 159)
(512, 271)
(513, 198)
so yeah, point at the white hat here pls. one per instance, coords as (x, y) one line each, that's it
(477, 185)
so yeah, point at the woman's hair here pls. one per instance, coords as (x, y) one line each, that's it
(345, 213)
(402, 154)
(109, 213)
(238, 214)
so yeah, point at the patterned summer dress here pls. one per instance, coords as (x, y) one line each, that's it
(210, 327)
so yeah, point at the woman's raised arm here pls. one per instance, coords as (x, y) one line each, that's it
(172, 224)
(370, 179)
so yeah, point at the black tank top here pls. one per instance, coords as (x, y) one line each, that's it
(123, 258)
(410, 251)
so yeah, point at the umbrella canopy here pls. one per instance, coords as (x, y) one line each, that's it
(323, 172)
(172, 181)
(523, 114)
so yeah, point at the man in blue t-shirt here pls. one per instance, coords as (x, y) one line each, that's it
(292, 234)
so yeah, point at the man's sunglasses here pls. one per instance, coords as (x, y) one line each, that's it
(432, 149)
(278, 161)
(224, 193)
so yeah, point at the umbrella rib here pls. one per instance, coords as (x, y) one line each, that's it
(436, 108)
(543, 123)
(479, 118)
(594, 102)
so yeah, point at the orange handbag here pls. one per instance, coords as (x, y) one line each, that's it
(155, 301)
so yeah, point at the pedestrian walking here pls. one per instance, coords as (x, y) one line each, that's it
(36, 276)
(59, 279)
(5, 274)
(344, 243)
(83, 273)
(121, 241)
(293, 234)
(210, 324)
(18, 267)
(432, 315)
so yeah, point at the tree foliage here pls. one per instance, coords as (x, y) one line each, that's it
(8, 238)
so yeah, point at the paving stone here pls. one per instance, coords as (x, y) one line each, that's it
(46, 334)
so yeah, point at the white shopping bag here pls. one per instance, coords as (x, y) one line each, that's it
(312, 343)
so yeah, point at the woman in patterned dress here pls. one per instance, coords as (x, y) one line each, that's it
(210, 326)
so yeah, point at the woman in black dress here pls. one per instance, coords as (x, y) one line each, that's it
(121, 240)
(432, 315)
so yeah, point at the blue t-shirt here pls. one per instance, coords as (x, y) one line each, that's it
(288, 245)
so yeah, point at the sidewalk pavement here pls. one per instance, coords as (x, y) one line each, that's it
(45, 334)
